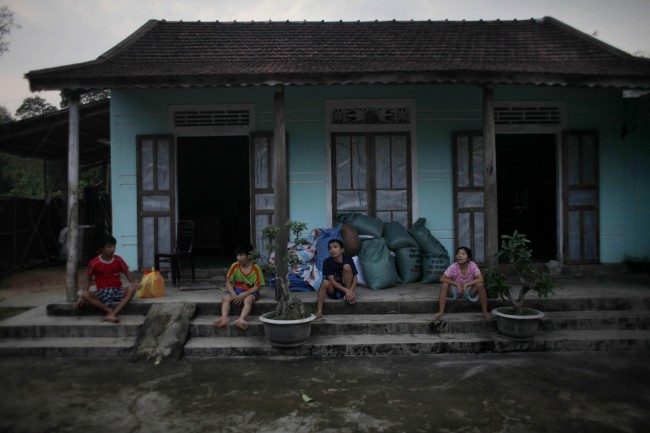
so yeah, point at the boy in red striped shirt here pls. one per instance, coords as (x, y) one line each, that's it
(106, 269)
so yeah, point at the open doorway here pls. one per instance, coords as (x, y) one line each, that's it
(527, 190)
(213, 191)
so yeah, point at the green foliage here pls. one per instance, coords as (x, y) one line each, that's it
(34, 106)
(90, 176)
(516, 251)
(7, 24)
(5, 115)
(5, 183)
(296, 227)
(21, 177)
(85, 98)
(288, 307)
(255, 254)
(496, 283)
(269, 235)
(28, 178)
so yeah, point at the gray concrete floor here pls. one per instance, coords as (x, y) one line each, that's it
(541, 392)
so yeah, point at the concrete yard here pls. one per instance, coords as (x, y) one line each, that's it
(563, 391)
(538, 392)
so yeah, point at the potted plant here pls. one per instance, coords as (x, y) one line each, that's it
(495, 282)
(517, 321)
(289, 323)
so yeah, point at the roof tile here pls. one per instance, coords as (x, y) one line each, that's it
(164, 53)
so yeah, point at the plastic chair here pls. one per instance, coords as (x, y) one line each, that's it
(182, 251)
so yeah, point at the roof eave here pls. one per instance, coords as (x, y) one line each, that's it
(302, 79)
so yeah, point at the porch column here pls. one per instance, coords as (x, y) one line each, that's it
(490, 179)
(73, 198)
(281, 203)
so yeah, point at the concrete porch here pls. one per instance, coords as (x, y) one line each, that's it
(589, 313)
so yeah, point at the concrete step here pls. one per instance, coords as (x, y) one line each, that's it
(380, 324)
(73, 347)
(397, 323)
(411, 344)
(343, 324)
(398, 305)
(36, 324)
(596, 320)
(137, 308)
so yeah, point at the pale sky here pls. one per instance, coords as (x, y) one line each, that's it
(61, 32)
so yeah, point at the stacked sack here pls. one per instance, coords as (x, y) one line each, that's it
(377, 262)
(407, 252)
(390, 254)
(435, 258)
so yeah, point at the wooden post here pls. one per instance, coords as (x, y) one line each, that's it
(281, 206)
(490, 179)
(73, 198)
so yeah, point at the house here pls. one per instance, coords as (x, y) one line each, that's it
(480, 127)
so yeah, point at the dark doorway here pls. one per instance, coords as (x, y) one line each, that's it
(526, 189)
(213, 191)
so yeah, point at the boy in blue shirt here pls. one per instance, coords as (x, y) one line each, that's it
(339, 277)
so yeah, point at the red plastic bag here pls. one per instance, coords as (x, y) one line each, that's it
(152, 285)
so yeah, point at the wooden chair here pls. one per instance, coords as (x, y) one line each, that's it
(182, 251)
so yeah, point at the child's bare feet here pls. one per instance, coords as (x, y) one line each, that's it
(438, 315)
(488, 316)
(319, 314)
(220, 323)
(241, 324)
(78, 304)
(112, 319)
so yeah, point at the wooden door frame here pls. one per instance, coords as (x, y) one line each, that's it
(470, 134)
(155, 191)
(253, 191)
(566, 189)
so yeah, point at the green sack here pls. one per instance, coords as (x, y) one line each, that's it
(433, 266)
(409, 264)
(428, 244)
(377, 263)
(398, 237)
(364, 224)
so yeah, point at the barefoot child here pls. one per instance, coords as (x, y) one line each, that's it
(106, 269)
(339, 277)
(243, 283)
(463, 279)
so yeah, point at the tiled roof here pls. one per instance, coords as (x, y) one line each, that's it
(186, 54)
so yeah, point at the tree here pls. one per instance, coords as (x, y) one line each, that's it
(21, 177)
(6, 25)
(86, 98)
(34, 106)
(5, 115)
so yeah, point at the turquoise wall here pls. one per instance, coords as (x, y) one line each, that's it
(139, 112)
(635, 150)
(441, 110)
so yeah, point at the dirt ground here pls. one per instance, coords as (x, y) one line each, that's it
(43, 279)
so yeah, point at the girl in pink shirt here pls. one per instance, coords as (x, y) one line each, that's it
(462, 279)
